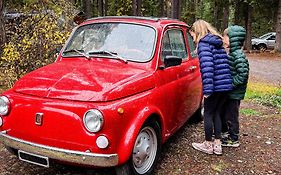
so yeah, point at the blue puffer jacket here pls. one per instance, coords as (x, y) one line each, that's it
(215, 70)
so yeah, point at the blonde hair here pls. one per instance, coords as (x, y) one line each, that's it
(202, 28)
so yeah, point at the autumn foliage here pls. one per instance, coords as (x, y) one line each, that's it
(34, 38)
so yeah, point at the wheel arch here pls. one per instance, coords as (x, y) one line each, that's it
(146, 115)
(262, 44)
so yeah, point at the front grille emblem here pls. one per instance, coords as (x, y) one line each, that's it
(39, 119)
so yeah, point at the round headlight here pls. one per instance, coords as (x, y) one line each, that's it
(93, 120)
(4, 105)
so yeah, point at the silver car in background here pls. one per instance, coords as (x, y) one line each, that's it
(264, 42)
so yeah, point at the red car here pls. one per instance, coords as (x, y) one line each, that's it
(120, 87)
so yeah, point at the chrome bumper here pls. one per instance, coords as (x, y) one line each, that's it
(77, 157)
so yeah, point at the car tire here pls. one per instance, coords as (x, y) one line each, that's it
(145, 152)
(197, 117)
(262, 47)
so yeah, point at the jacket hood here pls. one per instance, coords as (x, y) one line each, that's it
(84, 80)
(236, 36)
(212, 39)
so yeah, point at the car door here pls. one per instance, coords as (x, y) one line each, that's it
(191, 82)
(174, 82)
(271, 42)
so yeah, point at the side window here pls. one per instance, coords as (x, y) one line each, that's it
(191, 45)
(271, 38)
(173, 44)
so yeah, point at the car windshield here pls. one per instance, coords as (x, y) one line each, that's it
(126, 41)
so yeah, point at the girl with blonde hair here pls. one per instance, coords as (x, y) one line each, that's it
(216, 80)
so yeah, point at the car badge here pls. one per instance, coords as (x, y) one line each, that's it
(39, 119)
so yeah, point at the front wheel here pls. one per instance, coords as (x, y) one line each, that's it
(145, 152)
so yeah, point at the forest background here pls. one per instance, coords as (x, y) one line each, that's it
(31, 31)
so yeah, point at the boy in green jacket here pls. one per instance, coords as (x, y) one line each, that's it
(234, 37)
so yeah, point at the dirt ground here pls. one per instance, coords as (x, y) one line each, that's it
(259, 153)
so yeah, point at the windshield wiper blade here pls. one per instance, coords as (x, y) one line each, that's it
(115, 55)
(80, 52)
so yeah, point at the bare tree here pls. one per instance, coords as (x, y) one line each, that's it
(2, 26)
(134, 7)
(161, 8)
(237, 7)
(216, 14)
(175, 9)
(225, 15)
(105, 7)
(248, 23)
(278, 29)
(88, 8)
(100, 7)
(137, 7)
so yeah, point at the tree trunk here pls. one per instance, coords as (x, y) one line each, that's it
(278, 30)
(216, 14)
(225, 15)
(137, 7)
(237, 11)
(139, 2)
(134, 7)
(176, 9)
(100, 7)
(105, 7)
(2, 27)
(88, 8)
(161, 7)
(248, 21)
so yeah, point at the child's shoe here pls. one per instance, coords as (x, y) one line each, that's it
(230, 143)
(206, 147)
(224, 135)
(217, 147)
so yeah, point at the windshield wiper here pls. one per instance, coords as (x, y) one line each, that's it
(80, 52)
(115, 55)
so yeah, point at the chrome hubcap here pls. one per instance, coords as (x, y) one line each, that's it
(145, 149)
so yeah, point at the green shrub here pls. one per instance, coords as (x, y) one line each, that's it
(264, 94)
(44, 27)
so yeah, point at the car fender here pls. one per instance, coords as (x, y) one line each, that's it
(126, 145)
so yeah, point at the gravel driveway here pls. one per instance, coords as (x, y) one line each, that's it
(267, 69)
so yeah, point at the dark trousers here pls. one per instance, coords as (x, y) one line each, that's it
(230, 118)
(212, 110)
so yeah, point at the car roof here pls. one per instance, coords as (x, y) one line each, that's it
(154, 21)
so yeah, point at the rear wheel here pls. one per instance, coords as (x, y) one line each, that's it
(145, 152)
(262, 47)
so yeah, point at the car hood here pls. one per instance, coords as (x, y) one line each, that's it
(85, 80)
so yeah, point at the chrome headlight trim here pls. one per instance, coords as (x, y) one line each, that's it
(4, 105)
(1, 121)
(93, 120)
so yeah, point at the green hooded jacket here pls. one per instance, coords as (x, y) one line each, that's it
(238, 62)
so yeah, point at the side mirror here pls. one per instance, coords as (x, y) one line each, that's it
(171, 60)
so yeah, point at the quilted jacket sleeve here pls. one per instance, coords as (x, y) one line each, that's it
(207, 67)
(241, 66)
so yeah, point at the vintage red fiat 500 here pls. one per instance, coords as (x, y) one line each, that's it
(120, 87)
